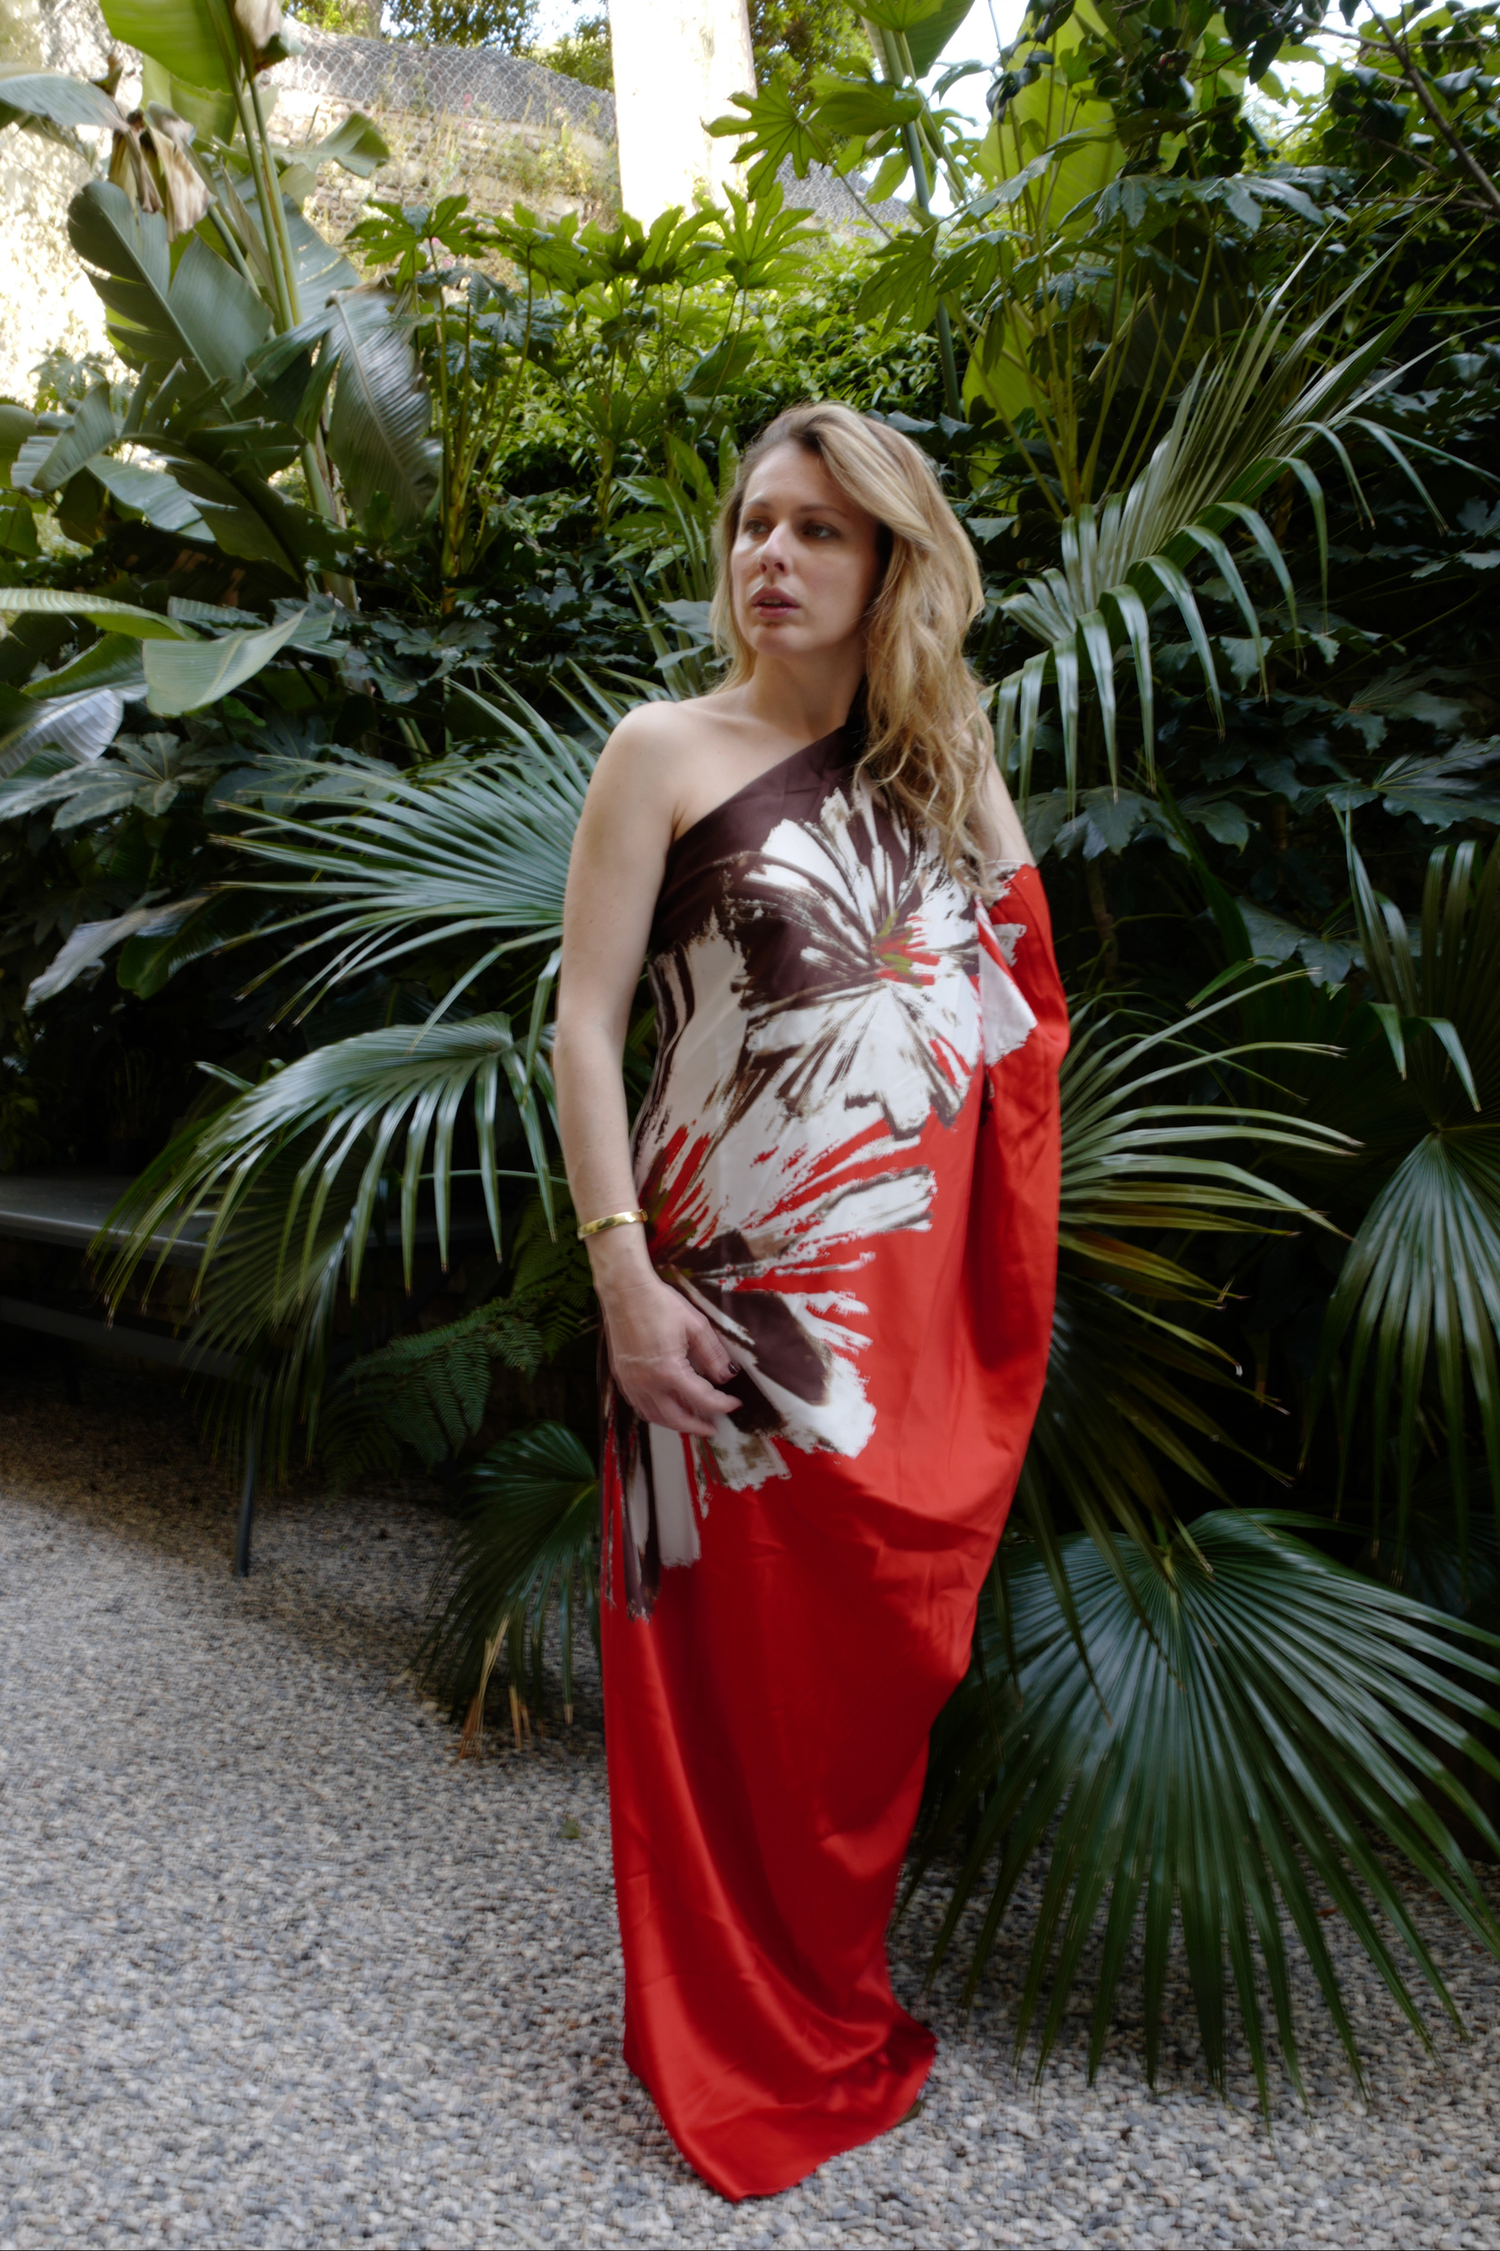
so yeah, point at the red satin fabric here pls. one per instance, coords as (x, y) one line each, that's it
(767, 1723)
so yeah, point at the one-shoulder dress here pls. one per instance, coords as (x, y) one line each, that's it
(849, 1162)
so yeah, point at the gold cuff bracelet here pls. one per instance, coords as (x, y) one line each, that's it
(611, 1219)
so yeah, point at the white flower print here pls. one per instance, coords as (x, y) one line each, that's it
(858, 992)
(835, 994)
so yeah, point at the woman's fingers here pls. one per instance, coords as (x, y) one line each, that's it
(702, 1397)
(673, 1394)
(707, 1350)
(674, 1374)
(685, 1400)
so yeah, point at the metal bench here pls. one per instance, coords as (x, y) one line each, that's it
(66, 1211)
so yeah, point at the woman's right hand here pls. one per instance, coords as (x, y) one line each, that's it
(666, 1357)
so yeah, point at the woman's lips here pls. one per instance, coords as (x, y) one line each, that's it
(775, 605)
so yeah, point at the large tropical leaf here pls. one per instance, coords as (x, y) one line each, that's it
(380, 426)
(294, 1171)
(1123, 1416)
(1417, 1305)
(318, 267)
(51, 98)
(187, 676)
(203, 313)
(148, 776)
(81, 725)
(1238, 1736)
(110, 616)
(192, 39)
(1252, 413)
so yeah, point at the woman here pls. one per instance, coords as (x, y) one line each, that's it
(825, 1263)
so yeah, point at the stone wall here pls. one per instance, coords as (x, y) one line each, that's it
(45, 297)
(457, 119)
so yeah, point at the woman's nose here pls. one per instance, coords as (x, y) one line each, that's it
(773, 552)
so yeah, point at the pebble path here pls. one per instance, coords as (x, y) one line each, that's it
(274, 1970)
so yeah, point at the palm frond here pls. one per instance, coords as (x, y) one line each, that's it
(1418, 1297)
(1234, 433)
(528, 1540)
(295, 1174)
(1239, 1733)
(1140, 1171)
(1135, 1161)
(479, 846)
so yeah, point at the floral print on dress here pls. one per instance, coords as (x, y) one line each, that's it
(826, 992)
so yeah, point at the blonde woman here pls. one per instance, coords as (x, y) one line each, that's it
(825, 1260)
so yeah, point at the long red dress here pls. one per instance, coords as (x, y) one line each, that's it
(849, 1162)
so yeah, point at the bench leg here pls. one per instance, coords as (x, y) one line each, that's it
(247, 1497)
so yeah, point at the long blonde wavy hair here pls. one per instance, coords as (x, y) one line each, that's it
(926, 744)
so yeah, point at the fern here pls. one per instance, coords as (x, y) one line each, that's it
(552, 1283)
(427, 1390)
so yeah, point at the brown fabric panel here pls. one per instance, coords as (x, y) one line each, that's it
(692, 885)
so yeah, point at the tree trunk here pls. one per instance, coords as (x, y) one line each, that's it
(676, 63)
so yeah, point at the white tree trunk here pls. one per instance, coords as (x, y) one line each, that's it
(676, 63)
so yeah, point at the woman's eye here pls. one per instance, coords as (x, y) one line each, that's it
(821, 531)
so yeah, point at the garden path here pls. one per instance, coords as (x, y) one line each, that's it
(278, 1972)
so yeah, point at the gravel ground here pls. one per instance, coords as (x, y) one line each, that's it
(274, 1970)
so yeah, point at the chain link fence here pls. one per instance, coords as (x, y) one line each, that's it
(450, 82)
(458, 120)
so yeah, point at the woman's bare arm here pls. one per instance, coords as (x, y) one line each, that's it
(666, 1358)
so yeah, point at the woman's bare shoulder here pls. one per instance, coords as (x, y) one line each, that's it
(641, 776)
(653, 748)
(665, 724)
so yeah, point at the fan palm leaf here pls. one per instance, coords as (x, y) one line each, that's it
(294, 1174)
(528, 1541)
(1123, 1411)
(478, 845)
(1219, 1744)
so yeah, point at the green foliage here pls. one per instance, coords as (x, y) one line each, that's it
(528, 1540)
(1249, 1715)
(1233, 435)
(794, 38)
(367, 553)
(1420, 1287)
(507, 24)
(1409, 108)
(1123, 1416)
(427, 1390)
(356, 19)
(583, 53)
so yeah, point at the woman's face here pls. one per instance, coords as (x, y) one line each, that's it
(805, 563)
